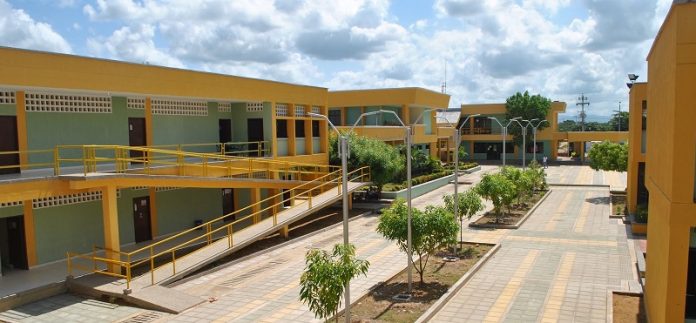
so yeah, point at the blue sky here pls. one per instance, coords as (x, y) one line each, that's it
(492, 48)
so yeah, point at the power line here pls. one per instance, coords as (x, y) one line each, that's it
(583, 102)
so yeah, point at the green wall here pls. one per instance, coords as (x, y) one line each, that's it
(8, 110)
(187, 129)
(75, 228)
(177, 209)
(9, 211)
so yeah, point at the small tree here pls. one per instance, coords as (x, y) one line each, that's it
(537, 175)
(431, 230)
(469, 203)
(499, 190)
(325, 277)
(523, 183)
(609, 156)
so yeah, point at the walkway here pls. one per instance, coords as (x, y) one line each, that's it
(557, 267)
(584, 175)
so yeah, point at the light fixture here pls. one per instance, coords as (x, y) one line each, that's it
(632, 77)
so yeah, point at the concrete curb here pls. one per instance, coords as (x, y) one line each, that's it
(262, 252)
(511, 226)
(32, 295)
(437, 306)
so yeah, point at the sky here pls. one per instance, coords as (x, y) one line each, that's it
(485, 50)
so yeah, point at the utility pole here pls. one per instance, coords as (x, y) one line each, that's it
(443, 88)
(583, 102)
(619, 117)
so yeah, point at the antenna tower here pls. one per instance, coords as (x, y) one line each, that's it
(583, 101)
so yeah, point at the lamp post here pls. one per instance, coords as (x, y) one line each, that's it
(534, 131)
(343, 152)
(524, 139)
(455, 175)
(505, 127)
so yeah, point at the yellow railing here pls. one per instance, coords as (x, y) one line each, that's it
(132, 159)
(27, 154)
(214, 230)
(246, 148)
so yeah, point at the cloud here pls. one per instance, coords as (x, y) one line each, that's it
(20, 30)
(620, 22)
(353, 43)
(518, 61)
(458, 8)
(134, 44)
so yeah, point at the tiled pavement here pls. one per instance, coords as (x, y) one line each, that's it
(556, 268)
(584, 175)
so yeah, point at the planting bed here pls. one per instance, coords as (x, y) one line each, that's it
(509, 219)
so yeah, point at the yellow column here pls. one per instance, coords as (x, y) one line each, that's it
(29, 232)
(148, 121)
(308, 136)
(255, 198)
(22, 135)
(274, 131)
(323, 130)
(110, 219)
(153, 211)
(554, 149)
(362, 110)
(405, 114)
(350, 201)
(291, 130)
(284, 231)
(582, 151)
(344, 121)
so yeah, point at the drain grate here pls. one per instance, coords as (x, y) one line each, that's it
(144, 317)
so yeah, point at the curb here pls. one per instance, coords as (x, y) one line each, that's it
(437, 306)
(32, 295)
(262, 252)
(580, 185)
(512, 226)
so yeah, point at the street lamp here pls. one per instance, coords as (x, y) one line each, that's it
(524, 139)
(504, 132)
(455, 175)
(343, 152)
(534, 131)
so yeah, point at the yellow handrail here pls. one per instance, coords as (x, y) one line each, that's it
(148, 252)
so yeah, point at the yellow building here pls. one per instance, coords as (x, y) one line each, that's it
(636, 191)
(670, 160)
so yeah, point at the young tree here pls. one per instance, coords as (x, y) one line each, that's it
(431, 230)
(499, 190)
(325, 276)
(528, 107)
(385, 161)
(537, 175)
(469, 203)
(523, 183)
(609, 156)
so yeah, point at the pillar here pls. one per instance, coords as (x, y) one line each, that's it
(309, 137)
(153, 211)
(274, 131)
(256, 207)
(284, 231)
(350, 201)
(554, 149)
(29, 232)
(22, 135)
(406, 114)
(291, 130)
(110, 219)
(148, 122)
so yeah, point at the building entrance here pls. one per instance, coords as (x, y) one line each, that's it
(13, 247)
(141, 219)
(8, 142)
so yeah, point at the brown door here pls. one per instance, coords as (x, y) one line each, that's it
(8, 142)
(136, 136)
(254, 133)
(13, 243)
(141, 219)
(228, 203)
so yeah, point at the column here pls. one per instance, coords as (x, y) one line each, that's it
(274, 131)
(110, 219)
(29, 231)
(22, 135)
(153, 211)
(256, 207)
(291, 130)
(309, 139)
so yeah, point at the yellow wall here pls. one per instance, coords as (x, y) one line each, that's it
(410, 96)
(670, 161)
(499, 108)
(32, 69)
(639, 92)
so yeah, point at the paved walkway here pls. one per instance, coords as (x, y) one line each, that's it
(584, 175)
(556, 268)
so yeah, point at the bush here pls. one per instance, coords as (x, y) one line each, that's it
(609, 156)
(385, 161)
(537, 175)
(499, 190)
(393, 187)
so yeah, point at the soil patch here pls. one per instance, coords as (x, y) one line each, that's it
(628, 309)
(618, 202)
(440, 275)
(513, 216)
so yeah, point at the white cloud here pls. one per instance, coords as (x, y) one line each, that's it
(134, 44)
(18, 29)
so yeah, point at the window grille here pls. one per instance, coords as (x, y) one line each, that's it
(299, 110)
(11, 204)
(166, 188)
(316, 109)
(7, 97)
(224, 107)
(52, 102)
(135, 103)
(173, 107)
(281, 110)
(254, 106)
(69, 199)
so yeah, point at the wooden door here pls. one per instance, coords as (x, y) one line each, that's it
(8, 142)
(136, 137)
(14, 240)
(254, 133)
(141, 219)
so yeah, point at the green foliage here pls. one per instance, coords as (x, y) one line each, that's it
(422, 163)
(641, 215)
(325, 276)
(431, 230)
(522, 180)
(609, 156)
(391, 187)
(462, 153)
(468, 204)
(499, 190)
(568, 125)
(385, 161)
(618, 119)
(528, 107)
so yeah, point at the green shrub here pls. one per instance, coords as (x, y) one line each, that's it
(393, 187)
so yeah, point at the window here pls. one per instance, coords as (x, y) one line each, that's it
(539, 148)
(281, 128)
(484, 147)
(299, 129)
(644, 122)
(315, 128)
(482, 126)
(335, 117)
